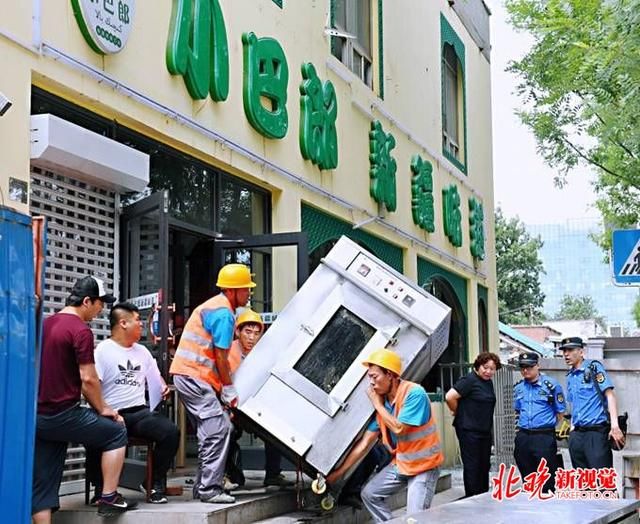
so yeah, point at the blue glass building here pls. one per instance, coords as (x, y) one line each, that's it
(575, 265)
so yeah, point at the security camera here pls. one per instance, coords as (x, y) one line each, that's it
(5, 104)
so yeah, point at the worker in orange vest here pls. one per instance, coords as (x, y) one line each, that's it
(405, 422)
(202, 377)
(249, 329)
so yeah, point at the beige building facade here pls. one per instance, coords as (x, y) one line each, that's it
(163, 138)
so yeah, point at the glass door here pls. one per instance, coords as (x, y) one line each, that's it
(144, 230)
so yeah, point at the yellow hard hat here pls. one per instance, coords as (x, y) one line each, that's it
(235, 276)
(385, 358)
(249, 316)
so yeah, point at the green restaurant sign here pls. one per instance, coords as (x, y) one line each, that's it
(197, 49)
(104, 24)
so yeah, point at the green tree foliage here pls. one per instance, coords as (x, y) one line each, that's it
(518, 269)
(577, 307)
(580, 84)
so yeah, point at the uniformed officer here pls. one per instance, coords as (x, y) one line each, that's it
(594, 417)
(539, 401)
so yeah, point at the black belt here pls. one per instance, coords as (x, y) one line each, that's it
(134, 409)
(595, 427)
(537, 430)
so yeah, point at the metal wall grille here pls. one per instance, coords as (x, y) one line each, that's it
(80, 236)
(504, 420)
(80, 242)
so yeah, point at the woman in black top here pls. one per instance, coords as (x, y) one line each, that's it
(471, 401)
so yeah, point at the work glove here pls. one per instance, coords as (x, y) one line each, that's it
(229, 396)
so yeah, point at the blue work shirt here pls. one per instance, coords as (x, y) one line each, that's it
(538, 402)
(219, 323)
(588, 409)
(415, 411)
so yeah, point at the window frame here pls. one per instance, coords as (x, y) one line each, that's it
(343, 48)
(453, 149)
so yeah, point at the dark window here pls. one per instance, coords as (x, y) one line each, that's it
(353, 17)
(450, 99)
(334, 349)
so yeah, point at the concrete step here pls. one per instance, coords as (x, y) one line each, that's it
(343, 514)
(253, 503)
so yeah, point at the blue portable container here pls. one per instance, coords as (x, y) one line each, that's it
(18, 365)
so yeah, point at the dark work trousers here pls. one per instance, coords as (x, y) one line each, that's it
(475, 450)
(149, 425)
(272, 459)
(590, 449)
(531, 448)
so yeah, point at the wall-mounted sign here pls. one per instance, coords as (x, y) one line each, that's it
(105, 24)
(476, 228)
(451, 215)
(422, 194)
(382, 167)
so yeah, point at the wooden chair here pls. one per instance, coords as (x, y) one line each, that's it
(132, 441)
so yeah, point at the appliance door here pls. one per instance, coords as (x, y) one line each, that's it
(325, 364)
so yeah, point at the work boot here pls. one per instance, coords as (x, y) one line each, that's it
(278, 480)
(220, 498)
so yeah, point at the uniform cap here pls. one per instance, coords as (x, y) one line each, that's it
(93, 288)
(571, 343)
(528, 358)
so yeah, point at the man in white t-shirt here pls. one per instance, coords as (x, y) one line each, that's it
(125, 368)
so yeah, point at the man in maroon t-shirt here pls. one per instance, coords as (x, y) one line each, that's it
(67, 370)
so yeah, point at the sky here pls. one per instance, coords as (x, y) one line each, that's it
(523, 183)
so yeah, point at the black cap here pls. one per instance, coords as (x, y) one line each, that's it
(571, 343)
(528, 358)
(93, 288)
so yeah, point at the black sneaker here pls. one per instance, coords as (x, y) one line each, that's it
(158, 497)
(118, 505)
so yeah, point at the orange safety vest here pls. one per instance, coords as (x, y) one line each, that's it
(418, 447)
(194, 356)
(236, 356)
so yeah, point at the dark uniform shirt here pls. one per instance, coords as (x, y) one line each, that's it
(538, 402)
(475, 408)
(588, 408)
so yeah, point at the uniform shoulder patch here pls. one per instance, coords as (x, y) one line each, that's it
(560, 398)
(600, 378)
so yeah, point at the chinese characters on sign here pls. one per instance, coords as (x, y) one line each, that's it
(318, 113)
(197, 48)
(104, 24)
(266, 75)
(476, 228)
(422, 194)
(382, 170)
(579, 483)
(451, 216)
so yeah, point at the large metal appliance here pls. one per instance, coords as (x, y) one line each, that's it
(303, 386)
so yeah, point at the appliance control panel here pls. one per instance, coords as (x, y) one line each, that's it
(390, 288)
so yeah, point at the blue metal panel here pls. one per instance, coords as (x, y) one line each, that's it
(18, 365)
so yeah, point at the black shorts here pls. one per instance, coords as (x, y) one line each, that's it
(53, 433)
